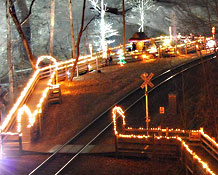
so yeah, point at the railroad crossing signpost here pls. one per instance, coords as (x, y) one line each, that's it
(147, 81)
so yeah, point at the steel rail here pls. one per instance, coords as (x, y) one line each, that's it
(172, 76)
(158, 85)
(199, 61)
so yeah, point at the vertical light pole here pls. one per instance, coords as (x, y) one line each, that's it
(124, 29)
(147, 81)
(170, 33)
(213, 32)
(103, 30)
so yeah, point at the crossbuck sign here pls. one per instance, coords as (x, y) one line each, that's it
(147, 81)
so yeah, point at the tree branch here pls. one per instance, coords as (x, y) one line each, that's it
(30, 12)
(78, 40)
(30, 55)
(111, 10)
(90, 21)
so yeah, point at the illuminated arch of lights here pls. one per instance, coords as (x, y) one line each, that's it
(121, 113)
(43, 57)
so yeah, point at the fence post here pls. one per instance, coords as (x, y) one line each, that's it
(97, 62)
(40, 122)
(20, 143)
(182, 154)
(194, 166)
(2, 137)
(159, 52)
(66, 75)
(77, 71)
(186, 49)
(116, 146)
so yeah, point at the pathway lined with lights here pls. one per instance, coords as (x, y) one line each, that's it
(30, 106)
(32, 103)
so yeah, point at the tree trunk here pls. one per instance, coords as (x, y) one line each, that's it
(208, 13)
(216, 9)
(51, 44)
(124, 28)
(10, 65)
(21, 33)
(72, 30)
(78, 40)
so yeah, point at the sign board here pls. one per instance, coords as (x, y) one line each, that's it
(194, 136)
(161, 110)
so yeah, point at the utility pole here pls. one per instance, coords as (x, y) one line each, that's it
(124, 29)
(52, 27)
(9, 56)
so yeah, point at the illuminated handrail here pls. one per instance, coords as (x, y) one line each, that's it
(207, 137)
(23, 97)
(167, 131)
(3, 141)
(201, 163)
(117, 110)
(28, 90)
(209, 144)
(20, 101)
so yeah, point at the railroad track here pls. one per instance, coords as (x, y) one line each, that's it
(58, 162)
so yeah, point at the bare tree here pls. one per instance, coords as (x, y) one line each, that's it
(25, 14)
(216, 8)
(78, 41)
(208, 12)
(72, 30)
(10, 65)
(12, 11)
